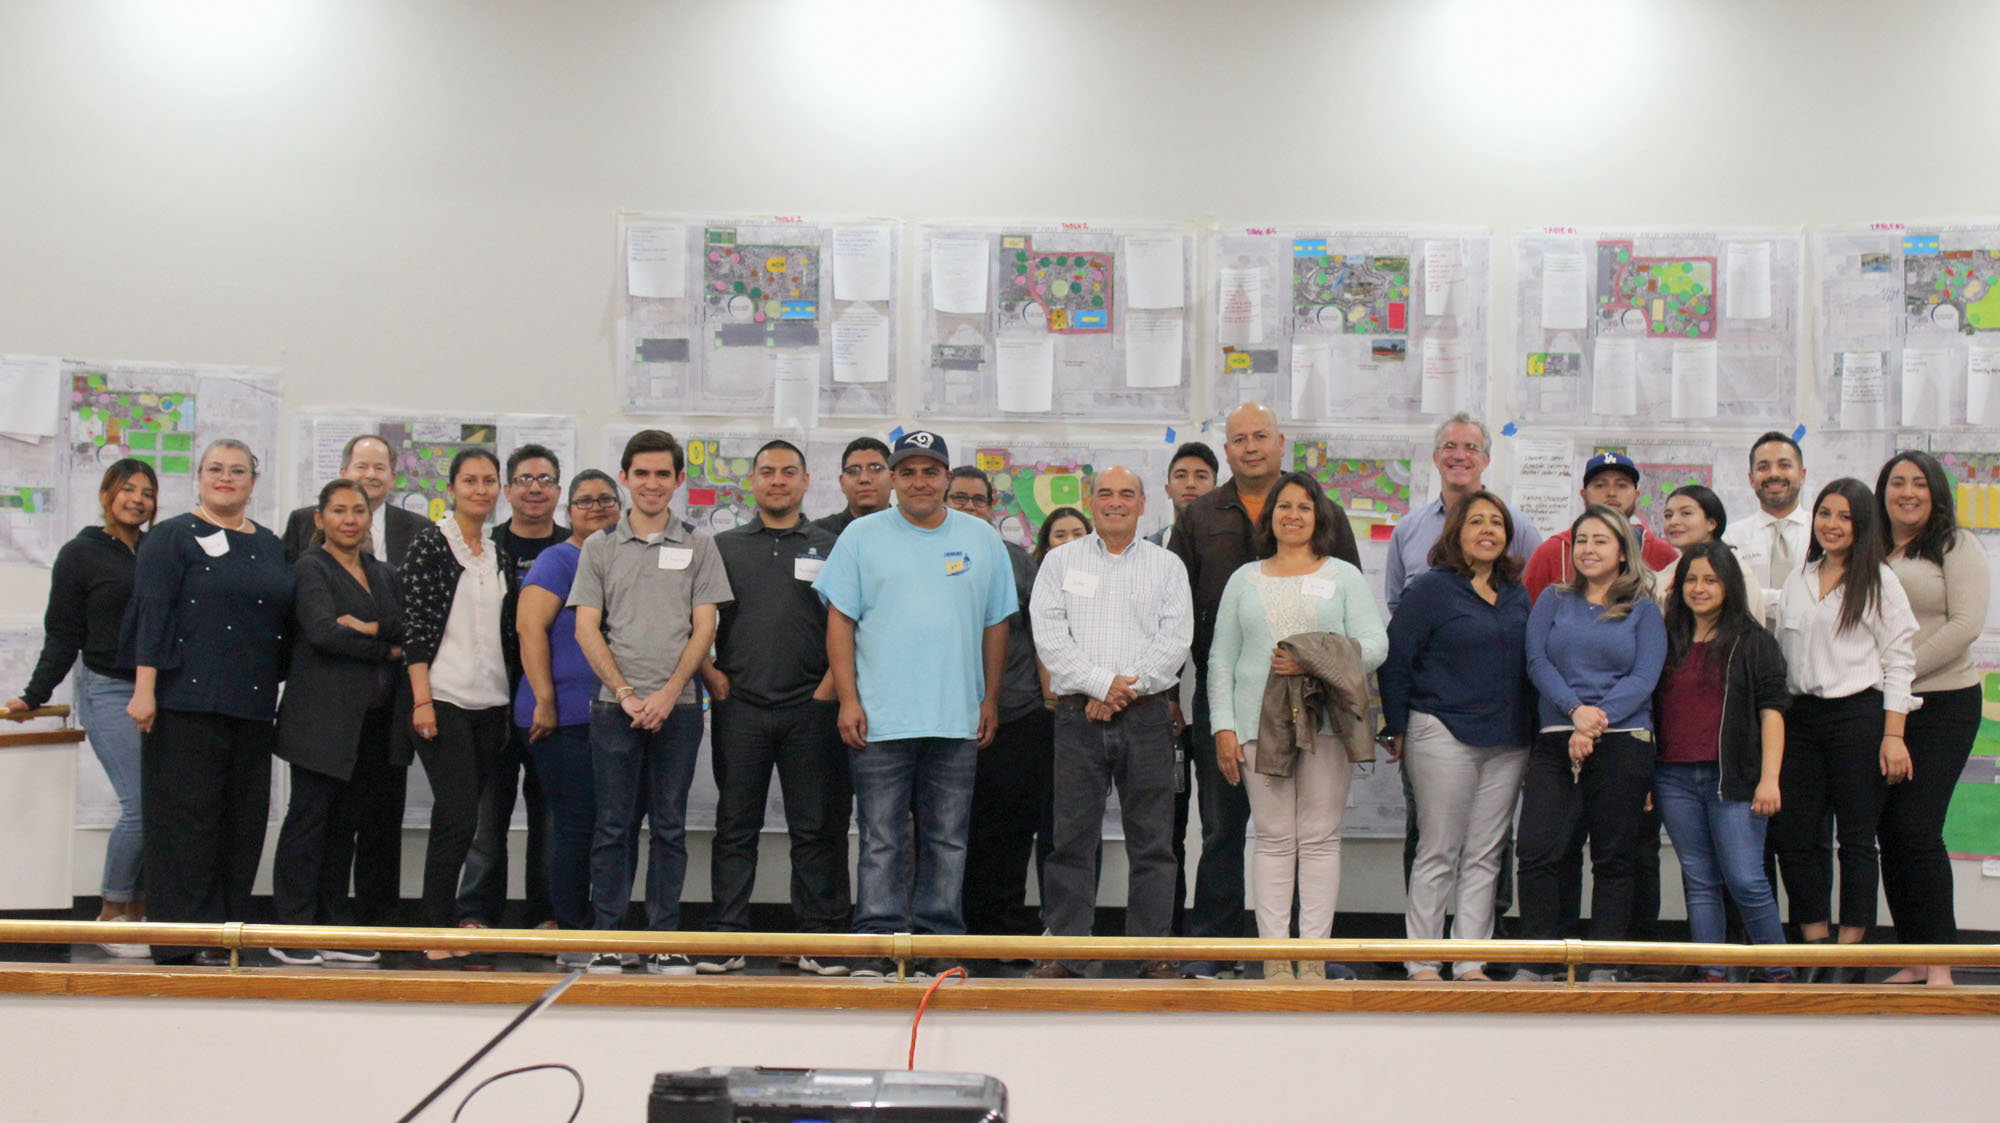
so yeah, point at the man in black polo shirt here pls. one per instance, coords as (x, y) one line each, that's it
(775, 706)
(864, 482)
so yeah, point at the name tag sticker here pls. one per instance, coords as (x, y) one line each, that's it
(1317, 587)
(676, 557)
(807, 569)
(215, 545)
(1081, 583)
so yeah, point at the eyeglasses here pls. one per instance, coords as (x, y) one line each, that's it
(218, 471)
(602, 502)
(543, 480)
(960, 499)
(1473, 447)
(856, 471)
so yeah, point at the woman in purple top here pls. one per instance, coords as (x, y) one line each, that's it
(1595, 648)
(552, 702)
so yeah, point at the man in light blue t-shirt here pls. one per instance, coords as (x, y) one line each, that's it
(916, 632)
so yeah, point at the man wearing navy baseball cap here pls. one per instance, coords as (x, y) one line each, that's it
(1609, 478)
(918, 601)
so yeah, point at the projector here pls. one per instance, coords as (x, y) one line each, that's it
(825, 1095)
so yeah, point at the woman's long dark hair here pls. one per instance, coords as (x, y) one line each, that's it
(1938, 534)
(1710, 504)
(1736, 618)
(1326, 534)
(1861, 585)
(1042, 546)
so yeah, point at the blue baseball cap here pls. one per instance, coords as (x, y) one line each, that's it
(919, 442)
(1610, 461)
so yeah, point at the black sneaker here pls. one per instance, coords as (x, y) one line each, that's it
(297, 957)
(664, 963)
(934, 968)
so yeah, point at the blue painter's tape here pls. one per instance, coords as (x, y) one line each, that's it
(1509, 429)
(895, 434)
(1799, 433)
(1170, 434)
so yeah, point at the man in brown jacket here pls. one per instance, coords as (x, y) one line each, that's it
(1213, 537)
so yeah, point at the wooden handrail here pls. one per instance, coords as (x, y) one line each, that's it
(905, 946)
(52, 710)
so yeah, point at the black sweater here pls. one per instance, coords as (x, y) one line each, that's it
(88, 590)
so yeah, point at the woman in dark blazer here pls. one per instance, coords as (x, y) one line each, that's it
(337, 707)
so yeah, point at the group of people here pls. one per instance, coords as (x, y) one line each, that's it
(1763, 688)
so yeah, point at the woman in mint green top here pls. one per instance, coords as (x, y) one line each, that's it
(1299, 588)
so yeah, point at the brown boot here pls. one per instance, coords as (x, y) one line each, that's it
(1054, 969)
(1277, 970)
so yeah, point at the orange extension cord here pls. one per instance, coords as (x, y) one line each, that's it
(925, 1001)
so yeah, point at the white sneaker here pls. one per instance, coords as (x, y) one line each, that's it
(831, 969)
(571, 960)
(125, 951)
(338, 957)
(662, 963)
(296, 957)
(1604, 975)
(720, 966)
(1524, 975)
(605, 963)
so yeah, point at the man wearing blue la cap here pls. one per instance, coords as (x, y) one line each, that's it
(1609, 478)
(918, 601)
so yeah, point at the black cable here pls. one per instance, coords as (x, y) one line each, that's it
(477, 1088)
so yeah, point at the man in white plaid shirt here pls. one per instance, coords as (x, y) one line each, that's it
(1113, 618)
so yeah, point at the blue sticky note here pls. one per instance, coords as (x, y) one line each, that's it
(1509, 429)
(895, 434)
(1170, 434)
(1799, 433)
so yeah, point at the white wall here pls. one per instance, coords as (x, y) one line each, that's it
(413, 205)
(184, 1059)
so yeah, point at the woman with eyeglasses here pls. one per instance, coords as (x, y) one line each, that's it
(89, 587)
(552, 703)
(205, 637)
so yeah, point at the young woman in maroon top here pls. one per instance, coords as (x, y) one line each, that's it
(1720, 708)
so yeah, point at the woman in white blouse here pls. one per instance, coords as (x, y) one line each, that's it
(1848, 635)
(462, 651)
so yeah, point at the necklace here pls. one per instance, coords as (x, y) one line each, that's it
(241, 520)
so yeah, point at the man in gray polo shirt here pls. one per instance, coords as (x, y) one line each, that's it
(646, 598)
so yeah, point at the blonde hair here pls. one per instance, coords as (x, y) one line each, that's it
(1633, 581)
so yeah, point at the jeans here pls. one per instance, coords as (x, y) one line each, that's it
(562, 760)
(1609, 797)
(626, 763)
(1916, 871)
(1832, 760)
(929, 779)
(1225, 822)
(1010, 800)
(1134, 750)
(1719, 842)
(458, 762)
(482, 891)
(100, 709)
(802, 743)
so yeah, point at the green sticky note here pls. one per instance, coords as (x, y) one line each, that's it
(143, 440)
(177, 442)
(175, 465)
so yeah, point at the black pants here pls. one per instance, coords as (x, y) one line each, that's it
(1225, 820)
(802, 743)
(1608, 797)
(1645, 920)
(315, 851)
(205, 781)
(1916, 871)
(378, 789)
(459, 762)
(1833, 760)
(482, 891)
(1010, 807)
(1183, 795)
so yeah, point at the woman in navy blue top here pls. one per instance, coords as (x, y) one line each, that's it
(205, 637)
(1460, 714)
(1595, 648)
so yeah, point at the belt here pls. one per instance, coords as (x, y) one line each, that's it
(1079, 701)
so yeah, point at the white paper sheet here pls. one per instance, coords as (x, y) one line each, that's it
(1614, 376)
(1310, 359)
(1746, 281)
(958, 274)
(1444, 277)
(1565, 292)
(861, 263)
(1863, 400)
(1926, 387)
(1241, 303)
(30, 395)
(1024, 369)
(795, 386)
(861, 345)
(1694, 378)
(656, 260)
(1982, 383)
(1153, 273)
(1545, 481)
(1443, 371)
(1153, 345)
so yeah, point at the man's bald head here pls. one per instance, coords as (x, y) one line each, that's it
(1254, 446)
(1117, 499)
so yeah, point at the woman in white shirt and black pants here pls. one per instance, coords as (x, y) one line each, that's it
(1848, 635)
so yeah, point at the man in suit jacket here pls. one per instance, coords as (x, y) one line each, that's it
(369, 460)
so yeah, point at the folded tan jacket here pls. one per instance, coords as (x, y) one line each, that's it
(1331, 694)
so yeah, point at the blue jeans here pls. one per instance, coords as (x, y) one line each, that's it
(1719, 842)
(931, 777)
(100, 709)
(624, 762)
(562, 760)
